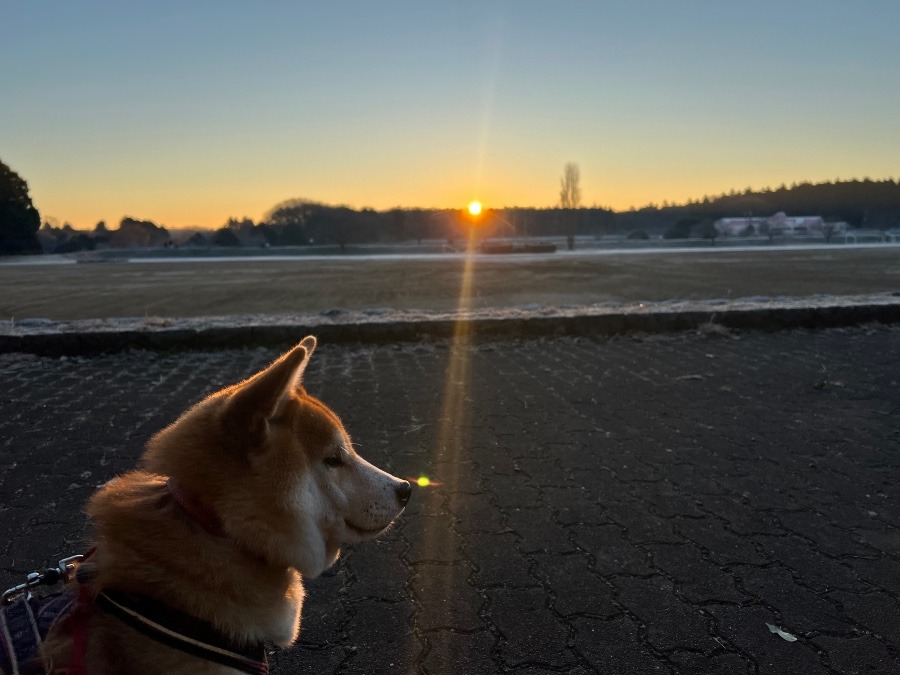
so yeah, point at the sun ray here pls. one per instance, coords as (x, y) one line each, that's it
(455, 413)
(452, 438)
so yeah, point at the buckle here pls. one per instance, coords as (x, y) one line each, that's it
(49, 577)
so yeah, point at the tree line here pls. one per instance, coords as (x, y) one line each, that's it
(862, 203)
(303, 222)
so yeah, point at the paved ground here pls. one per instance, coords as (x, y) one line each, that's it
(615, 506)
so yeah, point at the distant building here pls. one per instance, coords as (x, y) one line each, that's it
(779, 224)
(736, 227)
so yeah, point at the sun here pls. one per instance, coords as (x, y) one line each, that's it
(475, 208)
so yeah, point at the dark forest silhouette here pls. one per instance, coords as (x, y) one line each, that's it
(860, 203)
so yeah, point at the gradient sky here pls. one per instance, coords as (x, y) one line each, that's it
(187, 113)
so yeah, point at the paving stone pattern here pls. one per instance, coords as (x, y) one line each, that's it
(617, 506)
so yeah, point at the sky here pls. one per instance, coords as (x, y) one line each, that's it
(188, 113)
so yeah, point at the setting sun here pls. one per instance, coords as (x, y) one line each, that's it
(475, 208)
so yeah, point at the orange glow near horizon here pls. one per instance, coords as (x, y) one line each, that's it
(207, 203)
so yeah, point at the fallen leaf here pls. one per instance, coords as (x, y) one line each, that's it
(784, 635)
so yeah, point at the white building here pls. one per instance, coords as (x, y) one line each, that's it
(779, 223)
(736, 227)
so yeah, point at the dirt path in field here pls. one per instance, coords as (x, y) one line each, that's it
(173, 289)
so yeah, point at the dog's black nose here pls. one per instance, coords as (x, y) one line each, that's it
(404, 490)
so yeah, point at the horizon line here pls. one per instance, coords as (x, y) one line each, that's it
(60, 222)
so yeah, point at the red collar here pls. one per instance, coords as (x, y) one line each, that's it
(197, 510)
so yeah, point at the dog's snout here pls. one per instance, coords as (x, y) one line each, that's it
(404, 490)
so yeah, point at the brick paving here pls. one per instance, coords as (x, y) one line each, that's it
(614, 505)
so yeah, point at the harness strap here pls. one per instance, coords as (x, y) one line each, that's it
(183, 632)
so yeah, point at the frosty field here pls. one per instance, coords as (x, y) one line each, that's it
(244, 286)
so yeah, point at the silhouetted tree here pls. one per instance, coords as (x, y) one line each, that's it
(268, 234)
(289, 219)
(19, 220)
(142, 233)
(338, 224)
(197, 239)
(101, 233)
(289, 212)
(681, 229)
(77, 242)
(570, 199)
(292, 234)
(396, 224)
(248, 233)
(225, 237)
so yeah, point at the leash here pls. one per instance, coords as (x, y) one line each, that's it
(48, 577)
(26, 620)
(29, 624)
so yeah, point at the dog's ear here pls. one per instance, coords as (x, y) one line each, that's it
(261, 397)
(309, 342)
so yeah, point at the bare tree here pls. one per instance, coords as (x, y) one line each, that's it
(570, 199)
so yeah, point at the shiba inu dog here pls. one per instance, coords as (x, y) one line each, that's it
(200, 553)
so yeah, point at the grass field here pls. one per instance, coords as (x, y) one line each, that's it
(170, 289)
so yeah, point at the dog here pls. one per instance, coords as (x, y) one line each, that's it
(200, 552)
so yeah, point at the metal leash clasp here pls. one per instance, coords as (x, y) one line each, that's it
(49, 577)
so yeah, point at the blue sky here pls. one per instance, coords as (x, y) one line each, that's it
(188, 113)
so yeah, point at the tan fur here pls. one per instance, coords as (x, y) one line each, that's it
(255, 454)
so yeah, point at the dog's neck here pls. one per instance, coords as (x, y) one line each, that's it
(204, 575)
(195, 508)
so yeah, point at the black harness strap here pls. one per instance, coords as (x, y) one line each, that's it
(183, 631)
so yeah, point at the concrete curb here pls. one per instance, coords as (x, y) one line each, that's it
(651, 319)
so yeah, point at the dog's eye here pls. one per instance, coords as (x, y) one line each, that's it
(333, 461)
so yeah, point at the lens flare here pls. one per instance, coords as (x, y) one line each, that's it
(424, 481)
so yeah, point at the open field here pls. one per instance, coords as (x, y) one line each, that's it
(240, 286)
